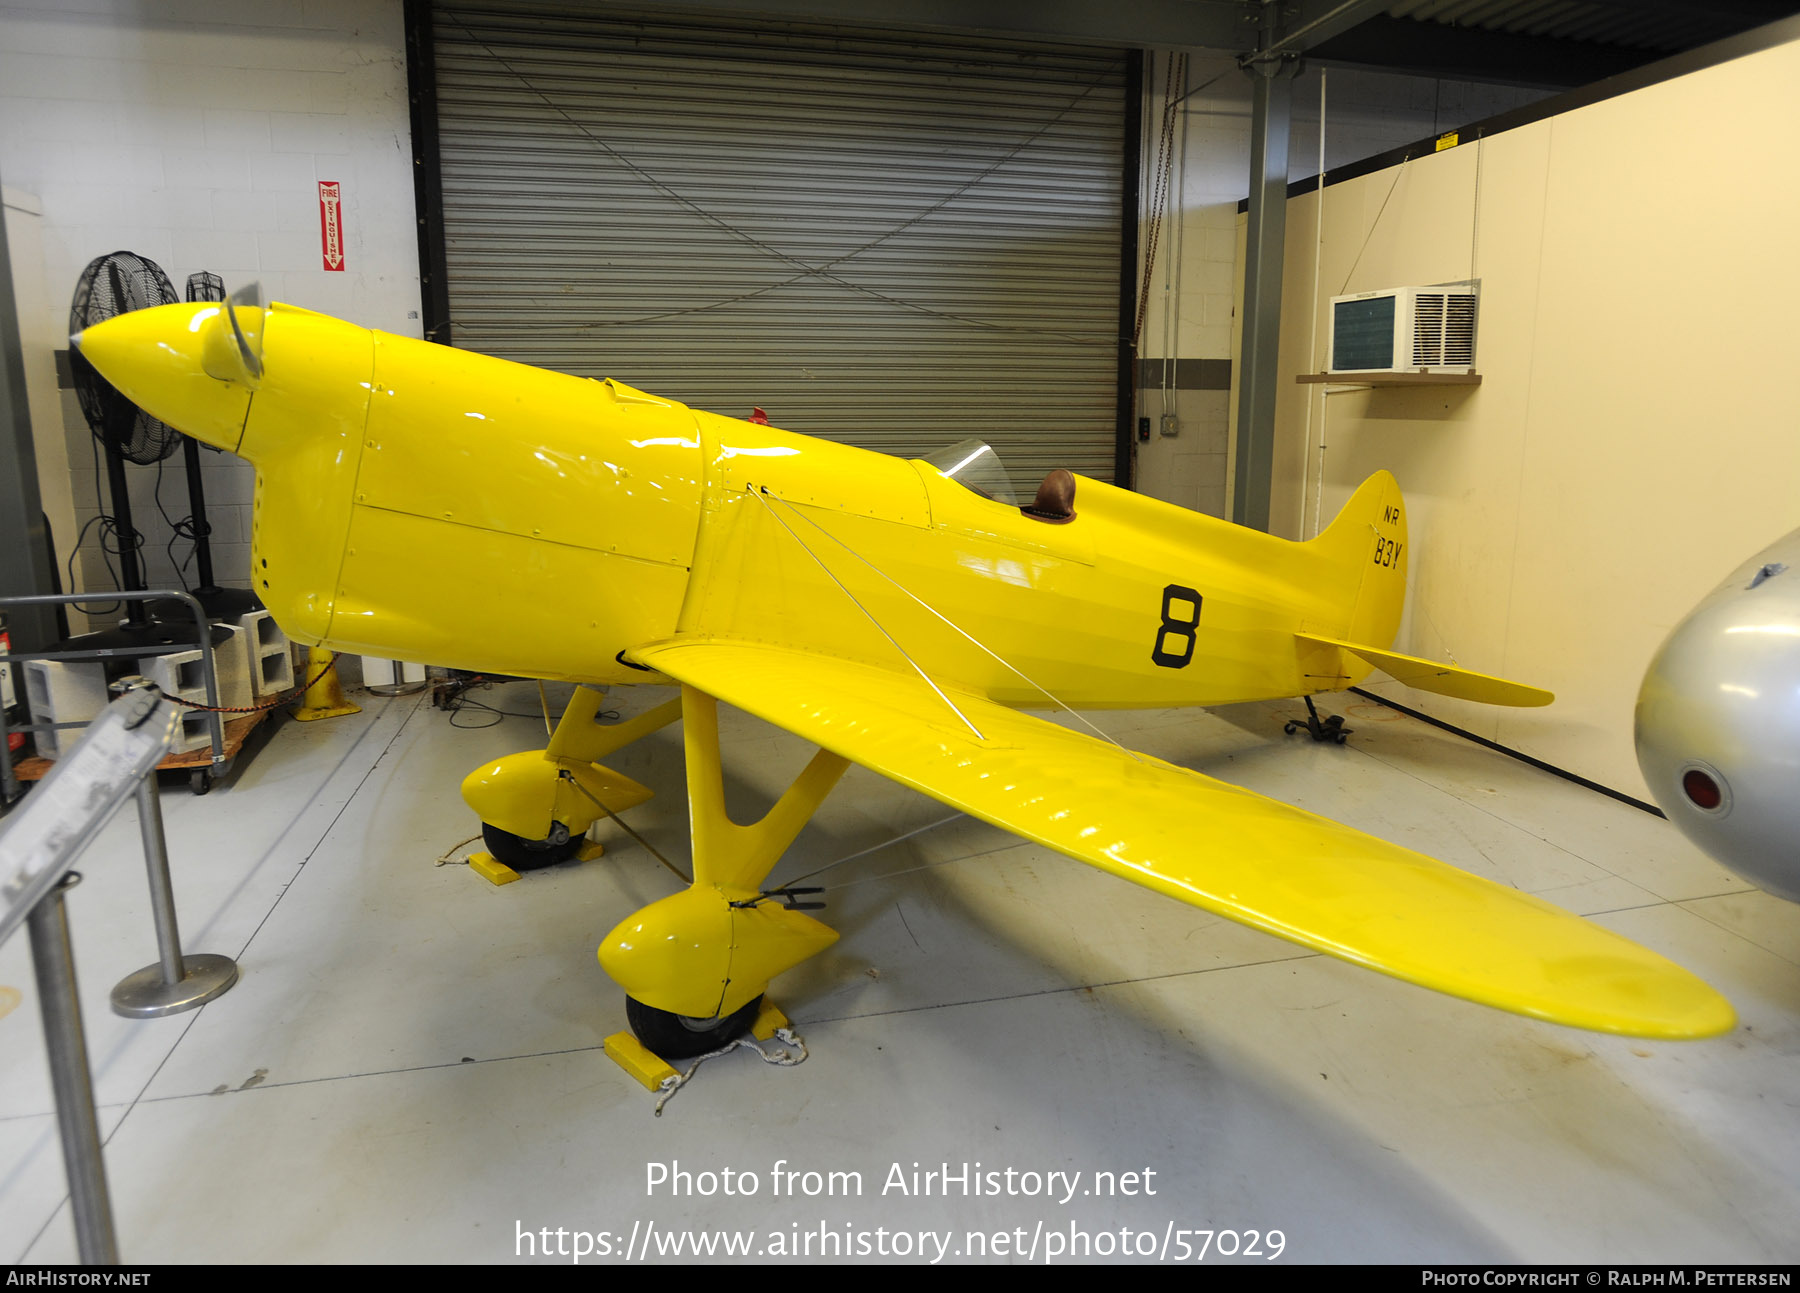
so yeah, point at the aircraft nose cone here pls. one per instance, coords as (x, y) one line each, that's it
(1718, 727)
(155, 358)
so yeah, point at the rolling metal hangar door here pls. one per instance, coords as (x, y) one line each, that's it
(892, 240)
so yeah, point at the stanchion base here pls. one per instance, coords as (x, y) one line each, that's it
(144, 994)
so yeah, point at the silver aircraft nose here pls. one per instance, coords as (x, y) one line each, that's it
(1718, 721)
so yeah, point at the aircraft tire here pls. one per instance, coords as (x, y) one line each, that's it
(677, 1037)
(522, 854)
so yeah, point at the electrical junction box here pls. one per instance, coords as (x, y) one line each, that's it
(1406, 330)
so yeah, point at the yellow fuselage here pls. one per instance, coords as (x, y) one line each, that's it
(425, 503)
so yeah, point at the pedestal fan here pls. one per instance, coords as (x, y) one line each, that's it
(112, 285)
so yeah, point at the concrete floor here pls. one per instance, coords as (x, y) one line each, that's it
(410, 1068)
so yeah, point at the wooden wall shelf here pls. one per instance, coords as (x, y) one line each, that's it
(1390, 379)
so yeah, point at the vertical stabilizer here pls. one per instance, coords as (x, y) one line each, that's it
(1367, 542)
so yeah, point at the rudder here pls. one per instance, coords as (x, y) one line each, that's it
(1368, 540)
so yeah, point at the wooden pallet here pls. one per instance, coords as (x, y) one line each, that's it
(197, 764)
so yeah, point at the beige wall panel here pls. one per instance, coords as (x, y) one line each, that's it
(1457, 451)
(1632, 439)
(1661, 448)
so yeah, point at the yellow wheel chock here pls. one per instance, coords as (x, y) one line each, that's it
(494, 871)
(652, 1070)
(639, 1060)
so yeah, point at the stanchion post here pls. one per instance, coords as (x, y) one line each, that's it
(42, 840)
(54, 962)
(176, 982)
(162, 889)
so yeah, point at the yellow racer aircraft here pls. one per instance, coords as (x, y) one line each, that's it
(898, 614)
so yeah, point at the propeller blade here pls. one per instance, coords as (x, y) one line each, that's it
(245, 310)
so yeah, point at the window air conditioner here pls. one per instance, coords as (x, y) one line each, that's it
(1406, 330)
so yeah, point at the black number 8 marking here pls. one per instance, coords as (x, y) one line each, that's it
(1178, 630)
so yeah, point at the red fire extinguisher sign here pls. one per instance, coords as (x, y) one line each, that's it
(331, 224)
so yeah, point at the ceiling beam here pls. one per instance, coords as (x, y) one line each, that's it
(1751, 13)
(1316, 21)
(1128, 24)
(1355, 32)
(1467, 54)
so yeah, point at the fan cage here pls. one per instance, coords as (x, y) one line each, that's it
(112, 285)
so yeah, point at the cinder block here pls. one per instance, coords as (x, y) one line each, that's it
(180, 678)
(178, 675)
(233, 663)
(61, 691)
(195, 732)
(181, 675)
(271, 655)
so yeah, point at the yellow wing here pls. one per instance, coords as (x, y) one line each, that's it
(1218, 847)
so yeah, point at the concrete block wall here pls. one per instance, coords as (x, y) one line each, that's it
(1197, 278)
(194, 132)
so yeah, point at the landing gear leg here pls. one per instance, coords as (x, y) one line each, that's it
(694, 964)
(536, 806)
(1330, 728)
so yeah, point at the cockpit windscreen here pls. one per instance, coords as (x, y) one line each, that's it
(974, 465)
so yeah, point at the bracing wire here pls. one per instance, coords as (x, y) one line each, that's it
(544, 705)
(757, 495)
(679, 874)
(876, 848)
(1399, 172)
(996, 656)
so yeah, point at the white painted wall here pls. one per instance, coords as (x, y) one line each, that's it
(194, 132)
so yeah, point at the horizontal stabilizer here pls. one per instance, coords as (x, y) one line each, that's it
(1443, 679)
(1216, 846)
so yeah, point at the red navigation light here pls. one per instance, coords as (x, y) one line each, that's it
(1702, 789)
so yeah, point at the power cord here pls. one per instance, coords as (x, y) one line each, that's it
(453, 697)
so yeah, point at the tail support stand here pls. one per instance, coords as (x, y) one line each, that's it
(175, 983)
(324, 693)
(1329, 728)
